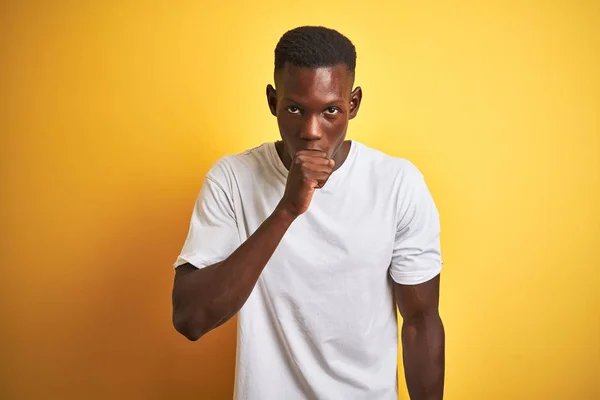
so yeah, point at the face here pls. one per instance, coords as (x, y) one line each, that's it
(313, 107)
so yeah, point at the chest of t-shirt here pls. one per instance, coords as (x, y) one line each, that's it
(339, 239)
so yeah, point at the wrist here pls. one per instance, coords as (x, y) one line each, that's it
(284, 215)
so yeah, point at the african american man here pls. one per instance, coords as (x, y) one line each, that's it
(314, 240)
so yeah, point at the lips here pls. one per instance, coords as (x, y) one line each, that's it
(312, 148)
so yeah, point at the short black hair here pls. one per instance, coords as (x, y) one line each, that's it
(315, 47)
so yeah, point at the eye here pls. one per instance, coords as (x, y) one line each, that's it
(333, 110)
(293, 110)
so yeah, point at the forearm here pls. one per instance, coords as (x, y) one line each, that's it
(423, 344)
(208, 297)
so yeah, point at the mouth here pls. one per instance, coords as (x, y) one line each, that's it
(311, 148)
(306, 147)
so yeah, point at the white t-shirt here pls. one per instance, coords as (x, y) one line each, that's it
(321, 321)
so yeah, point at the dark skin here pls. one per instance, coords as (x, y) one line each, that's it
(313, 107)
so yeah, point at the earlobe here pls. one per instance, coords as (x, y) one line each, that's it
(272, 99)
(355, 100)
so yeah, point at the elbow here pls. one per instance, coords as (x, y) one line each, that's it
(424, 321)
(191, 328)
(191, 333)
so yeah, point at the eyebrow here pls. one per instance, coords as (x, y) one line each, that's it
(333, 101)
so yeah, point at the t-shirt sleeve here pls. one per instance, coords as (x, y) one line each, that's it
(416, 257)
(213, 233)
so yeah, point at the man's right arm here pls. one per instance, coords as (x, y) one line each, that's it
(205, 298)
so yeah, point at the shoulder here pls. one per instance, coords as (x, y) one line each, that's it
(232, 167)
(399, 170)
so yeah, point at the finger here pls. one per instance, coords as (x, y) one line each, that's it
(303, 159)
(316, 168)
(320, 177)
(311, 153)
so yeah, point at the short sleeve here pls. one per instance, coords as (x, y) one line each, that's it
(416, 256)
(213, 233)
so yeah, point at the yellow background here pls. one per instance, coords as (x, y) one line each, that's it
(111, 113)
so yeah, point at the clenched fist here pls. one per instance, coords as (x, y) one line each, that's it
(309, 171)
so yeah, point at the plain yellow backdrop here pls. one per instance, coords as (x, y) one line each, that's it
(111, 113)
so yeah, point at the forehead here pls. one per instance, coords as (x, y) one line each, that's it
(303, 82)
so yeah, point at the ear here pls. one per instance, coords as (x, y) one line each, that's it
(355, 99)
(272, 99)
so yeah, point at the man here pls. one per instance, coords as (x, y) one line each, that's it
(311, 239)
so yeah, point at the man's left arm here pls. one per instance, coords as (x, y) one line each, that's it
(415, 270)
(423, 339)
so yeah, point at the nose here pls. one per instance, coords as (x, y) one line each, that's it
(310, 129)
